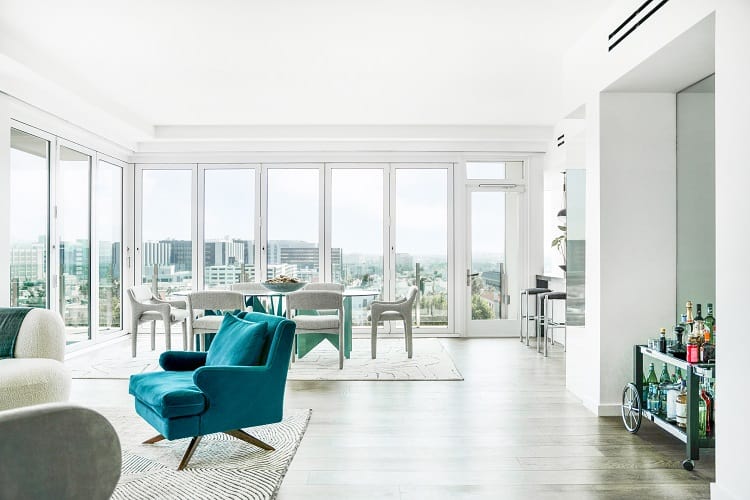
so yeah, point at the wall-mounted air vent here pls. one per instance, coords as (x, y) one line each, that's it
(638, 17)
(561, 140)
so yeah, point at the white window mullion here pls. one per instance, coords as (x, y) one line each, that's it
(200, 279)
(326, 196)
(263, 225)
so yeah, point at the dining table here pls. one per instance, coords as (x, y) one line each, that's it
(307, 342)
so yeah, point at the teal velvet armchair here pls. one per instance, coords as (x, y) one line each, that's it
(238, 383)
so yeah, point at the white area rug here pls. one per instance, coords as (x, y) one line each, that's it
(222, 466)
(430, 362)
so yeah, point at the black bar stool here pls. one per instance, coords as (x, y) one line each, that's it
(528, 317)
(549, 320)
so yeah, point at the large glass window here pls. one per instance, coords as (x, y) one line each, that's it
(357, 233)
(109, 244)
(74, 181)
(167, 246)
(29, 216)
(229, 227)
(421, 243)
(293, 223)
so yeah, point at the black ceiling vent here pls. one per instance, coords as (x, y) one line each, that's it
(634, 20)
(561, 140)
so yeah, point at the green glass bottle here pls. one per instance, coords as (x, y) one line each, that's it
(710, 321)
(664, 382)
(652, 398)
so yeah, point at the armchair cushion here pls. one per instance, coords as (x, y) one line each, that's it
(175, 316)
(210, 322)
(238, 343)
(169, 394)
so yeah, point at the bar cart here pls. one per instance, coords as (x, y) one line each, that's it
(634, 409)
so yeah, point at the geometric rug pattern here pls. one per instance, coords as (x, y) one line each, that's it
(430, 362)
(222, 467)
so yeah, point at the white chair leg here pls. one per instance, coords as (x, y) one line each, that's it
(374, 337)
(341, 348)
(153, 335)
(184, 336)
(168, 334)
(135, 336)
(294, 348)
(407, 334)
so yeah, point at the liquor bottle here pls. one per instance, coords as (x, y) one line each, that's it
(664, 383)
(652, 398)
(678, 349)
(681, 407)
(689, 318)
(663, 340)
(698, 322)
(710, 322)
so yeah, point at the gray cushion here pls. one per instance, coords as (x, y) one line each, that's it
(325, 322)
(208, 323)
(177, 315)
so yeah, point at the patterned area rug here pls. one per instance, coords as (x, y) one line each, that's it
(430, 362)
(222, 466)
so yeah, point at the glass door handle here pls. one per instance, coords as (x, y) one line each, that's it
(470, 275)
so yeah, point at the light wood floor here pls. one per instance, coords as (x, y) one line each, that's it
(509, 430)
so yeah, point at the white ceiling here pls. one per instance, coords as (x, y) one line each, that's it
(326, 62)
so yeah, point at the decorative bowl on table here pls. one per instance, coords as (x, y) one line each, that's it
(287, 287)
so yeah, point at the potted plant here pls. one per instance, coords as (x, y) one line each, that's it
(560, 243)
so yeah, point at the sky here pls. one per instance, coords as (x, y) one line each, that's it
(421, 205)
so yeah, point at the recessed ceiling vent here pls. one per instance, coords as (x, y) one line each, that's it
(634, 20)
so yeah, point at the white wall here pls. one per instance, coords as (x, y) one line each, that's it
(637, 230)
(732, 243)
(4, 203)
(696, 216)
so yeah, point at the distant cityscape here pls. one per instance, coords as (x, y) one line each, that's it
(169, 264)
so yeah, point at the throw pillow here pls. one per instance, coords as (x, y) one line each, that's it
(238, 343)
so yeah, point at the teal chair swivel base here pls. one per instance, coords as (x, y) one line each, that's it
(238, 383)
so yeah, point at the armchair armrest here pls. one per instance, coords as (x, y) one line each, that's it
(179, 304)
(179, 361)
(389, 302)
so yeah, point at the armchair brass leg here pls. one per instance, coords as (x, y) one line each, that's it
(244, 436)
(189, 452)
(154, 439)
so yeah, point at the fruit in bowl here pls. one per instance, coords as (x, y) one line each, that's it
(284, 284)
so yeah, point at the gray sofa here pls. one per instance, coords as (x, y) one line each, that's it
(36, 374)
(57, 451)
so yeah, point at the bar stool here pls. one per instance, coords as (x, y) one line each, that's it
(536, 317)
(549, 320)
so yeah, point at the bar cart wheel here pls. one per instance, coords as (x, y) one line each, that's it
(631, 408)
(688, 464)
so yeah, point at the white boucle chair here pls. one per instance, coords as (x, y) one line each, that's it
(202, 325)
(36, 374)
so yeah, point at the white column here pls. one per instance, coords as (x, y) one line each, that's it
(4, 202)
(732, 247)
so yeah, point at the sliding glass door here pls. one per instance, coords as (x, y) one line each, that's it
(73, 238)
(421, 202)
(293, 212)
(29, 219)
(166, 228)
(357, 232)
(108, 217)
(228, 224)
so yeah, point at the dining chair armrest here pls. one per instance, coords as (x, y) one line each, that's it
(160, 308)
(389, 302)
(181, 361)
(177, 303)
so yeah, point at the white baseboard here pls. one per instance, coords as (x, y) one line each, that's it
(609, 410)
(718, 493)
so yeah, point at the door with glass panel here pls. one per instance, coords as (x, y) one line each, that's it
(165, 230)
(74, 242)
(293, 232)
(357, 238)
(109, 251)
(29, 219)
(227, 227)
(494, 247)
(420, 241)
